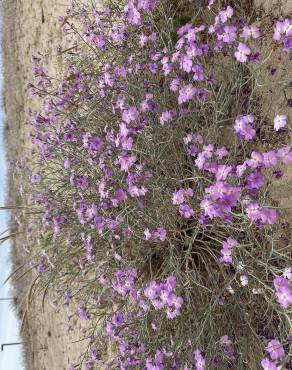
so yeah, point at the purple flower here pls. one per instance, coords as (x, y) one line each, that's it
(278, 31)
(186, 93)
(268, 365)
(186, 63)
(36, 178)
(226, 258)
(230, 243)
(82, 183)
(96, 144)
(209, 208)
(130, 115)
(228, 348)
(243, 128)
(198, 73)
(132, 15)
(255, 161)
(166, 116)
(200, 362)
(242, 52)
(178, 197)
(175, 301)
(268, 216)
(147, 5)
(269, 159)
(255, 180)
(285, 154)
(287, 44)
(118, 319)
(174, 85)
(283, 291)
(160, 234)
(127, 162)
(229, 34)
(284, 297)
(186, 211)
(253, 211)
(222, 172)
(225, 14)
(275, 349)
(221, 153)
(251, 32)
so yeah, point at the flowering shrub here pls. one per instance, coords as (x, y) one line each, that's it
(156, 222)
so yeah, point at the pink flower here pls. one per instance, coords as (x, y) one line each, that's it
(242, 52)
(280, 122)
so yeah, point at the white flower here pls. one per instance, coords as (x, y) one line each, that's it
(230, 289)
(244, 280)
(240, 266)
(287, 273)
(280, 122)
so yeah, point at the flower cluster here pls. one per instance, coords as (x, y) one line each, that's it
(228, 347)
(162, 297)
(226, 251)
(283, 34)
(142, 198)
(179, 198)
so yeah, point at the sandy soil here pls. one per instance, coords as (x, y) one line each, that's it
(30, 27)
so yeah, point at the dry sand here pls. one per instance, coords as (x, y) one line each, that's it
(30, 27)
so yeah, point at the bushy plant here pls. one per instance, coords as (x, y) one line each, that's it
(152, 180)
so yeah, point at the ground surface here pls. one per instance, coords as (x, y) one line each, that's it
(30, 27)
